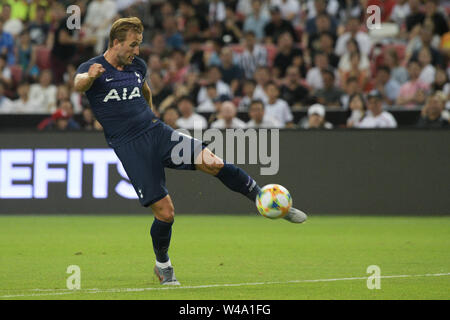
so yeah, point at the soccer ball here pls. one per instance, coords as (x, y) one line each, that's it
(274, 201)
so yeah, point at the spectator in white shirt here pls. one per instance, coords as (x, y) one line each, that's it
(254, 55)
(258, 118)
(189, 119)
(44, 93)
(227, 118)
(24, 104)
(314, 76)
(214, 77)
(375, 116)
(99, 17)
(428, 72)
(316, 118)
(290, 9)
(400, 12)
(278, 108)
(363, 39)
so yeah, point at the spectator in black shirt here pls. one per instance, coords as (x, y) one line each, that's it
(432, 114)
(231, 73)
(292, 91)
(277, 26)
(416, 17)
(160, 91)
(38, 29)
(287, 54)
(438, 19)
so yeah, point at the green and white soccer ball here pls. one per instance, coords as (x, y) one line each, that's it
(274, 201)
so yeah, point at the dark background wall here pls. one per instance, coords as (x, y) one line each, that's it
(401, 172)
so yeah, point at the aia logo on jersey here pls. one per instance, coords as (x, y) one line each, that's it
(114, 95)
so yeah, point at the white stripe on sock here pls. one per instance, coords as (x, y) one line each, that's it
(163, 264)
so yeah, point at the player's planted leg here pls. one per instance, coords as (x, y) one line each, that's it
(161, 232)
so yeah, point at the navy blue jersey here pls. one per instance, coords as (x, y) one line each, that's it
(117, 101)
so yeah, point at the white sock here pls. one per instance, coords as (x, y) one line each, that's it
(163, 264)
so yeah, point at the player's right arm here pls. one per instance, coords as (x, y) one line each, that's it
(84, 81)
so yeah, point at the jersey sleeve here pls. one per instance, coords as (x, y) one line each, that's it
(84, 67)
(141, 66)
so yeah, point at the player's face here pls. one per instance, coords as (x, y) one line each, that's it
(129, 48)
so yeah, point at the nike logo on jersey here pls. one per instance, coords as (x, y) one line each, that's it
(114, 95)
(108, 80)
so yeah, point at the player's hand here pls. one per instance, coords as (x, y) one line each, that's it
(96, 70)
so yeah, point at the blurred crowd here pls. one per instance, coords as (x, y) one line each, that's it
(209, 62)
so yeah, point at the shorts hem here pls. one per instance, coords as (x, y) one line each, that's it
(154, 200)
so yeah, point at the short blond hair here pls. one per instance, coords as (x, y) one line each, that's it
(121, 27)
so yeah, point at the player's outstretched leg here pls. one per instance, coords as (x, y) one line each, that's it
(238, 180)
(161, 232)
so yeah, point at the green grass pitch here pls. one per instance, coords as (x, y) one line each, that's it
(226, 257)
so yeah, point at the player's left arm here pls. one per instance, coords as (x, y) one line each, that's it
(148, 95)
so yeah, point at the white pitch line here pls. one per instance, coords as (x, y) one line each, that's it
(51, 292)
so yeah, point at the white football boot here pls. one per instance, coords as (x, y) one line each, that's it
(295, 216)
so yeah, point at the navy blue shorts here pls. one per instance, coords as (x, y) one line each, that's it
(145, 158)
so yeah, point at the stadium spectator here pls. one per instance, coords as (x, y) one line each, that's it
(398, 72)
(315, 9)
(227, 118)
(375, 117)
(98, 21)
(254, 55)
(287, 54)
(88, 121)
(170, 116)
(217, 12)
(244, 7)
(345, 61)
(26, 56)
(330, 95)
(278, 108)
(289, 9)
(12, 25)
(160, 91)
(351, 88)
(154, 64)
(355, 71)
(208, 104)
(312, 40)
(39, 27)
(415, 17)
(23, 104)
(431, 114)
(326, 45)
(258, 117)
(248, 89)
(214, 77)
(314, 75)
(353, 31)
(44, 93)
(441, 82)
(292, 90)
(158, 46)
(177, 68)
(232, 27)
(400, 11)
(172, 36)
(231, 72)
(436, 17)
(357, 105)
(262, 77)
(6, 104)
(347, 9)
(277, 25)
(62, 121)
(386, 86)
(195, 54)
(413, 93)
(315, 118)
(256, 21)
(425, 38)
(192, 17)
(428, 70)
(189, 119)
(7, 44)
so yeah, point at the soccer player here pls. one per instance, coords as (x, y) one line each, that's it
(122, 102)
